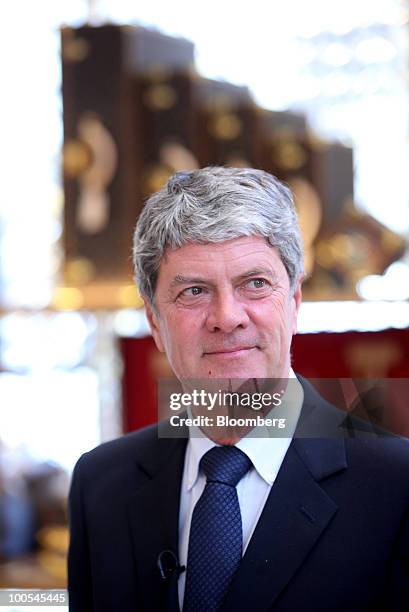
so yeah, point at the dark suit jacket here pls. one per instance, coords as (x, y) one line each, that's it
(333, 536)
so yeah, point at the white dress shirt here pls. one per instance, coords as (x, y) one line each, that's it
(265, 449)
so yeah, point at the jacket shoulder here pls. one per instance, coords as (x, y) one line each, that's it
(120, 451)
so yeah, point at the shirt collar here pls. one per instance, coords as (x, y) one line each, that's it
(266, 451)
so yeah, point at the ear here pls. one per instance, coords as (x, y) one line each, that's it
(154, 324)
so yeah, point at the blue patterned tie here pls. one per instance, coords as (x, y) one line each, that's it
(216, 540)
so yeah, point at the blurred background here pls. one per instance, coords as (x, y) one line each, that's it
(101, 102)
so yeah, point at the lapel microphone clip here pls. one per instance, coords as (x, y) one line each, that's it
(168, 564)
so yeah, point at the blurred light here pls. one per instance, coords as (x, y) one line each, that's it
(393, 285)
(375, 50)
(336, 85)
(314, 317)
(307, 54)
(317, 317)
(131, 323)
(309, 28)
(340, 28)
(337, 54)
(54, 415)
(46, 340)
(309, 88)
(129, 297)
(67, 298)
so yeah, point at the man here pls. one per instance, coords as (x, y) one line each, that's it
(294, 523)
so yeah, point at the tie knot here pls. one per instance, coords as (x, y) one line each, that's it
(225, 464)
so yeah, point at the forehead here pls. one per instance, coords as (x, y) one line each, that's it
(235, 256)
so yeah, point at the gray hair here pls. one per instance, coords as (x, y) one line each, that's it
(216, 204)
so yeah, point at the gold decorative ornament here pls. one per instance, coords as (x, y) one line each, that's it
(177, 156)
(160, 97)
(77, 157)
(309, 210)
(343, 250)
(155, 177)
(74, 49)
(289, 155)
(225, 126)
(92, 214)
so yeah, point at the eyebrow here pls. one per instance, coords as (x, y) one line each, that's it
(187, 280)
(259, 271)
(180, 279)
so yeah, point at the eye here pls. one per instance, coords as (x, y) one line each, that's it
(256, 288)
(257, 283)
(192, 291)
(189, 294)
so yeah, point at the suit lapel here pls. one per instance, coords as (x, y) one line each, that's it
(296, 513)
(153, 511)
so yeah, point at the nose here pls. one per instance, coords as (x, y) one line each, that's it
(226, 313)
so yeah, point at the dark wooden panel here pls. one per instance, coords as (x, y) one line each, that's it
(103, 154)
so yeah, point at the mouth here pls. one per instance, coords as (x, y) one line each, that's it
(240, 351)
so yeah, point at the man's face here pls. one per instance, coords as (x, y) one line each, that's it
(225, 310)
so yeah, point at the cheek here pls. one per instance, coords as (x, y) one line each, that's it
(274, 316)
(293, 316)
(181, 332)
(276, 325)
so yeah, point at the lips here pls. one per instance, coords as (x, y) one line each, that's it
(236, 350)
